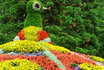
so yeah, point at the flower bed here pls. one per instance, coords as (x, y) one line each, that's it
(67, 59)
(53, 47)
(19, 64)
(43, 61)
(86, 66)
(47, 56)
(22, 46)
(99, 59)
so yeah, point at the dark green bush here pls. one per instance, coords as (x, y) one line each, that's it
(75, 24)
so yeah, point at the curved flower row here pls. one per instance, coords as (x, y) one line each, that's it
(19, 64)
(80, 54)
(43, 61)
(22, 53)
(63, 55)
(46, 63)
(86, 66)
(54, 48)
(22, 46)
(67, 59)
(98, 61)
(95, 58)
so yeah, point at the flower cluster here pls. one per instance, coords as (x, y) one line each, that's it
(99, 59)
(78, 68)
(19, 64)
(46, 63)
(25, 54)
(54, 48)
(87, 66)
(36, 52)
(31, 33)
(21, 35)
(87, 56)
(22, 46)
(43, 61)
(67, 59)
(42, 34)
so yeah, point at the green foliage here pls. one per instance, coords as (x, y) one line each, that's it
(87, 51)
(73, 65)
(33, 17)
(75, 24)
(80, 22)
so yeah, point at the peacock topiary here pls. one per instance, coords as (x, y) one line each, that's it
(33, 24)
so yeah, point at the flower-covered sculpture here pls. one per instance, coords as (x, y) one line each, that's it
(29, 53)
(44, 56)
(33, 28)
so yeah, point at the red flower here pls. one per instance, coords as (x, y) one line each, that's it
(50, 42)
(25, 57)
(21, 35)
(42, 35)
(67, 59)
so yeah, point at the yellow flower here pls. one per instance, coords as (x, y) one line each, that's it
(95, 58)
(31, 33)
(22, 46)
(55, 48)
(86, 66)
(18, 64)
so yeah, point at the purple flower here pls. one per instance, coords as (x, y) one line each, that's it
(28, 53)
(32, 55)
(25, 54)
(2, 52)
(39, 53)
(21, 52)
(12, 53)
(78, 68)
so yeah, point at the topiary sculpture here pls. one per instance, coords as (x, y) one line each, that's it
(34, 9)
(33, 24)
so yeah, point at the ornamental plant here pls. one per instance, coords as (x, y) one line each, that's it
(33, 24)
(18, 64)
(77, 25)
(72, 24)
(22, 46)
(42, 56)
(87, 66)
(33, 17)
(99, 59)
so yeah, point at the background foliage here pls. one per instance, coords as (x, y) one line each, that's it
(75, 24)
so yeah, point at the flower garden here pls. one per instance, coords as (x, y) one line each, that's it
(31, 55)
(32, 48)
